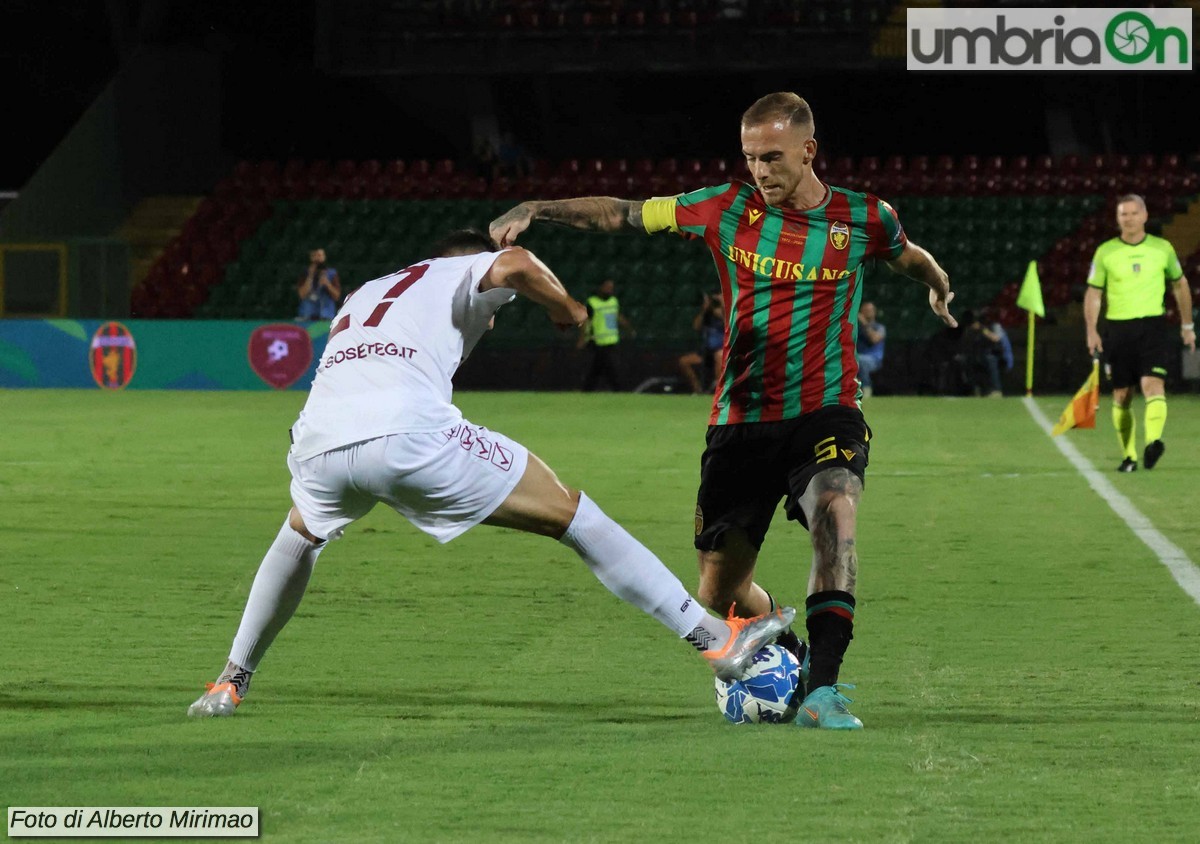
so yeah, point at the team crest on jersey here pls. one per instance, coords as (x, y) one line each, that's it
(699, 520)
(1137, 268)
(280, 353)
(754, 216)
(112, 356)
(839, 235)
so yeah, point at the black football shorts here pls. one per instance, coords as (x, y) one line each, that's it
(747, 468)
(1134, 348)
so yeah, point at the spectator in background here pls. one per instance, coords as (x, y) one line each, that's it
(985, 348)
(602, 332)
(485, 159)
(710, 325)
(513, 158)
(319, 289)
(869, 348)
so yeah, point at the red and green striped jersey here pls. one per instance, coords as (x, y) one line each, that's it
(792, 284)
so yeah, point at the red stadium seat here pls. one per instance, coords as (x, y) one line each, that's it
(345, 169)
(617, 166)
(370, 169)
(944, 164)
(378, 188)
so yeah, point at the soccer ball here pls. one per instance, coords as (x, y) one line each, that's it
(765, 694)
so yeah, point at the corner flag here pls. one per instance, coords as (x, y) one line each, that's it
(1081, 412)
(1030, 297)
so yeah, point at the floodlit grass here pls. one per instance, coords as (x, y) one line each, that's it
(1026, 669)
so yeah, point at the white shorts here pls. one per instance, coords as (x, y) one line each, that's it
(444, 483)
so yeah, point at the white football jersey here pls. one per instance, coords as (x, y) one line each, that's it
(393, 348)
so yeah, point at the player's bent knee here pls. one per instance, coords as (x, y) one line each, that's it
(540, 504)
(296, 522)
(831, 493)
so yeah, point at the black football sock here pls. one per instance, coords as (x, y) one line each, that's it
(830, 628)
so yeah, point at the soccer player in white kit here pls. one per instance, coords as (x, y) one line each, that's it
(379, 426)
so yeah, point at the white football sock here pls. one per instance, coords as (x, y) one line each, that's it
(277, 590)
(631, 572)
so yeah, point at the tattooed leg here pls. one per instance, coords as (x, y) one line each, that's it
(831, 506)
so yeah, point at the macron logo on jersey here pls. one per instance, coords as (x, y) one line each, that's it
(754, 216)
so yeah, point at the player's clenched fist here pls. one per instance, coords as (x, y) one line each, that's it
(505, 228)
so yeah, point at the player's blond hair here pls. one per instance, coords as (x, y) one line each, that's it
(783, 105)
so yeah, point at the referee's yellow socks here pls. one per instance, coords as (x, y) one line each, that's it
(1156, 417)
(1126, 427)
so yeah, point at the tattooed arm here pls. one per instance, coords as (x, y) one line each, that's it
(590, 213)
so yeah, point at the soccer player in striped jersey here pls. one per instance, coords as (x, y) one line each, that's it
(790, 252)
(1132, 272)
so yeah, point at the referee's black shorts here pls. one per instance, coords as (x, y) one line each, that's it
(1134, 348)
(746, 468)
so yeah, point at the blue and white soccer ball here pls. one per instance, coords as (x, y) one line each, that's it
(765, 694)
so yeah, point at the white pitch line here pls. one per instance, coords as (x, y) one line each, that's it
(1185, 572)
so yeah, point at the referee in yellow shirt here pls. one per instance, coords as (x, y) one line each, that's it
(1134, 269)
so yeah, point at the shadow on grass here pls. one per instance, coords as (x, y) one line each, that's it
(409, 705)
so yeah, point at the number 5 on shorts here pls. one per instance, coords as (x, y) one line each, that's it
(826, 449)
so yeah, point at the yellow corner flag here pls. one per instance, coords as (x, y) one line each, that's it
(1081, 412)
(1030, 297)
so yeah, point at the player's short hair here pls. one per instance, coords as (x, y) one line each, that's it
(783, 105)
(1132, 197)
(463, 242)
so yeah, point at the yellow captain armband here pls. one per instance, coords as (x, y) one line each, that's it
(658, 214)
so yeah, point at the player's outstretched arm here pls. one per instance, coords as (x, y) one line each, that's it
(589, 213)
(520, 270)
(919, 265)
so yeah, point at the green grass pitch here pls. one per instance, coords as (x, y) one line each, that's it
(1026, 669)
